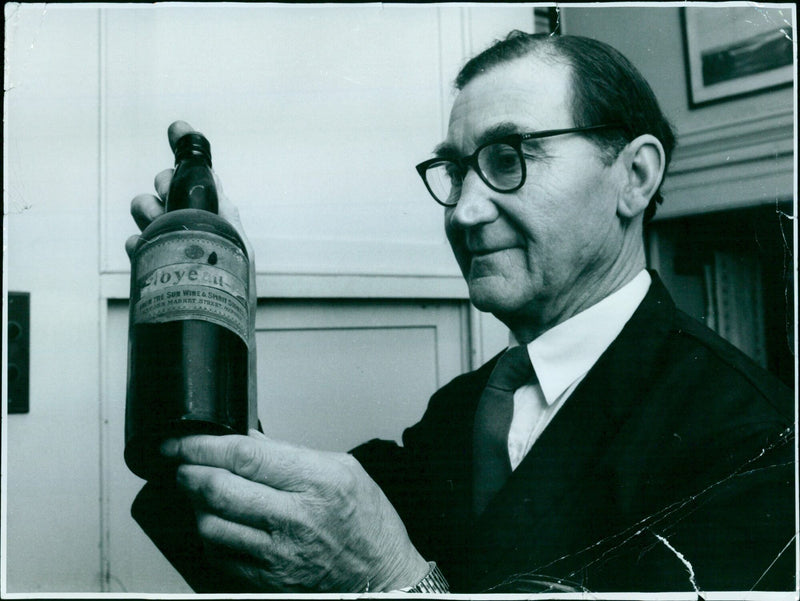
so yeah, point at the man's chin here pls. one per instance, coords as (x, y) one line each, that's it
(490, 299)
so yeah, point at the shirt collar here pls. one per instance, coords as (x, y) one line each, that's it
(564, 353)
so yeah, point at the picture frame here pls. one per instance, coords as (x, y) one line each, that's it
(735, 51)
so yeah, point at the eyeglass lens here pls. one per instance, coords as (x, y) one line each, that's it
(500, 165)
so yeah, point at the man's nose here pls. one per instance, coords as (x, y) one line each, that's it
(474, 205)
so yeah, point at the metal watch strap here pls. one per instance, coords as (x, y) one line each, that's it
(434, 582)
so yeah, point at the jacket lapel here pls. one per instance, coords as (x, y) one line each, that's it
(542, 518)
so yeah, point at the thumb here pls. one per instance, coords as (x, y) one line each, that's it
(260, 459)
(253, 433)
(230, 213)
(176, 131)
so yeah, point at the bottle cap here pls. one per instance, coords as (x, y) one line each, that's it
(193, 143)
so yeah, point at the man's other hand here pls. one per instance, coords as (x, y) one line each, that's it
(146, 207)
(287, 518)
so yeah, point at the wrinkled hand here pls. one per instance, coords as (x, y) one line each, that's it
(287, 518)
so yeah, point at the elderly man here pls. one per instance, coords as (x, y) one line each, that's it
(617, 445)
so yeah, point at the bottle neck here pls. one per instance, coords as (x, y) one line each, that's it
(193, 145)
(192, 154)
(193, 187)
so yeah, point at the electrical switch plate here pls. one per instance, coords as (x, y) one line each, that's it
(17, 371)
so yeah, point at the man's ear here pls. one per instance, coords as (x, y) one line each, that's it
(643, 162)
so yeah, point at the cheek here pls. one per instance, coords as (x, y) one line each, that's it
(559, 200)
(575, 207)
(563, 230)
(540, 216)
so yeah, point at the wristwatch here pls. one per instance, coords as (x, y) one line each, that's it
(434, 582)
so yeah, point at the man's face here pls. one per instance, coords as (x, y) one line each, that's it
(538, 255)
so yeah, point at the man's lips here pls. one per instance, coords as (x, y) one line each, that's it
(478, 254)
(486, 261)
(485, 251)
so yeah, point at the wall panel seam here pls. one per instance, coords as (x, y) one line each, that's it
(102, 164)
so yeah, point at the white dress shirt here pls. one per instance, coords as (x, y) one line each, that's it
(562, 356)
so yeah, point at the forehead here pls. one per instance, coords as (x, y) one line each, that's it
(530, 93)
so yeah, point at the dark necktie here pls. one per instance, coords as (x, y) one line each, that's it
(491, 466)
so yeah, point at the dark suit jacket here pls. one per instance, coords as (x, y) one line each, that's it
(670, 468)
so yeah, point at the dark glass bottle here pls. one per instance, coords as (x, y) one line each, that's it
(189, 324)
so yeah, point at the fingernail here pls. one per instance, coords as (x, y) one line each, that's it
(169, 447)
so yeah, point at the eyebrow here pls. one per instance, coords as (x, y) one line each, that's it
(504, 128)
(499, 130)
(445, 150)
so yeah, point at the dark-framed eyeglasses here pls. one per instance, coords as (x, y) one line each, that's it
(499, 163)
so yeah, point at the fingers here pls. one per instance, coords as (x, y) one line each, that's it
(232, 536)
(230, 212)
(130, 245)
(277, 542)
(176, 130)
(260, 560)
(328, 527)
(271, 462)
(145, 208)
(253, 433)
(234, 498)
(227, 210)
(247, 525)
(161, 183)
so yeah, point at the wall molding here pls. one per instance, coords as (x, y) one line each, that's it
(732, 165)
(116, 286)
(746, 139)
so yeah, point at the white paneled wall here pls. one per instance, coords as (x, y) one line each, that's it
(316, 116)
(50, 167)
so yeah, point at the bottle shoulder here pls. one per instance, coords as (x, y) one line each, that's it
(192, 220)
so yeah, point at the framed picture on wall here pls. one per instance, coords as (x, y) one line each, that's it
(733, 51)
